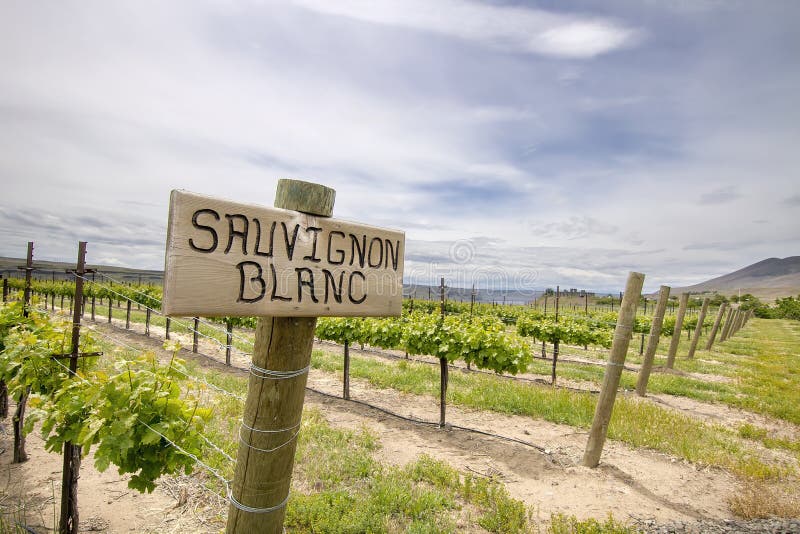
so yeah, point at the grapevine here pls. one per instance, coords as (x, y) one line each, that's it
(132, 413)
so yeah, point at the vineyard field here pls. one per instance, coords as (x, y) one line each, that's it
(512, 430)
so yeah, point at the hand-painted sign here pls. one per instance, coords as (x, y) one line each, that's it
(231, 259)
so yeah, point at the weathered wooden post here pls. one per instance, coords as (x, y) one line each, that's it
(585, 311)
(68, 522)
(713, 335)
(616, 360)
(444, 377)
(346, 371)
(228, 340)
(471, 306)
(128, 315)
(28, 268)
(195, 334)
(727, 326)
(676, 333)
(740, 320)
(698, 330)
(735, 312)
(642, 336)
(3, 386)
(286, 266)
(652, 343)
(18, 420)
(555, 342)
(471, 301)
(734, 320)
(732, 327)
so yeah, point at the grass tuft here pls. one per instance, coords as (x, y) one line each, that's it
(561, 524)
(760, 500)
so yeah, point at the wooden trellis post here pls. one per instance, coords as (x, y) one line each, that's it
(28, 268)
(68, 523)
(737, 325)
(19, 454)
(727, 326)
(734, 320)
(676, 333)
(195, 334)
(652, 343)
(346, 371)
(286, 266)
(444, 377)
(698, 330)
(555, 341)
(713, 335)
(616, 360)
(228, 341)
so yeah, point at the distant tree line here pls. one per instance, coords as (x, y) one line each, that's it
(784, 308)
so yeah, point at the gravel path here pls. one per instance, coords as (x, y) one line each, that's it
(729, 526)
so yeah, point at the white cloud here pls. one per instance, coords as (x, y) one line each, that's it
(583, 39)
(518, 29)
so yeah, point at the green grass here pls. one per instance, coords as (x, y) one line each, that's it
(760, 434)
(355, 493)
(339, 486)
(638, 423)
(561, 524)
(766, 356)
(670, 384)
(762, 362)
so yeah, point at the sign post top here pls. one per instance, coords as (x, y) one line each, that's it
(305, 197)
(230, 259)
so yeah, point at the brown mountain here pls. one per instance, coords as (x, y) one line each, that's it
(767, 279)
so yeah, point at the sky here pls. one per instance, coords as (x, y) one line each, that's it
(518, 144)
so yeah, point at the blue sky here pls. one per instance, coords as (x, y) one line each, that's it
(524, 144)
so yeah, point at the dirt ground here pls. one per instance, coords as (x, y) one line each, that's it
(545, 473)
(33, 490)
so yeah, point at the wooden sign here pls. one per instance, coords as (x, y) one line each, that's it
(229, 259)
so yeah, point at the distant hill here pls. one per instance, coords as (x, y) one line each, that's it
(767, 279)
